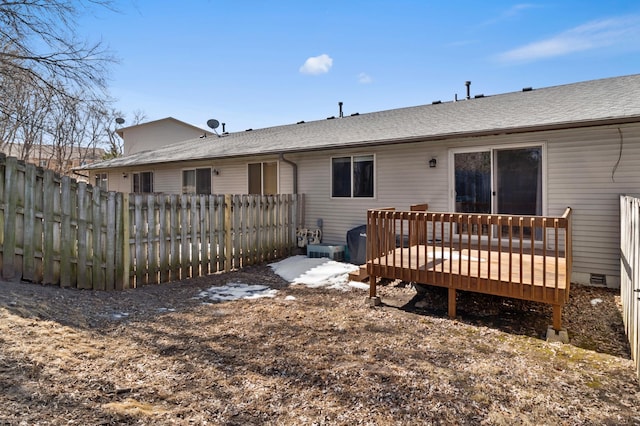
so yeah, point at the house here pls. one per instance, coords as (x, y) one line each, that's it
(535, 151)
(62, 159)
(155, 134)
(147, 137)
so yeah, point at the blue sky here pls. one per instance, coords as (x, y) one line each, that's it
(254, 64)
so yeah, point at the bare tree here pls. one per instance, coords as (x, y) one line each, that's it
(53, 99)
(38, 40)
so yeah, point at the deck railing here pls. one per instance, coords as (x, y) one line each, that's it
(526, 257)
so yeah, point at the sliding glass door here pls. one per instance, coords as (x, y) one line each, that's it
(518, 181)
(499, 181)
(473, 182)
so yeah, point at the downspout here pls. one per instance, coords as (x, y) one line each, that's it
(295, 172)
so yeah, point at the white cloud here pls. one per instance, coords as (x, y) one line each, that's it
(513, 12)
(317, 65)
(364, 78)
(592, 35)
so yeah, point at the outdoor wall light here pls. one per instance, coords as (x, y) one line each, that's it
(124, 175)
(215, 172)
(433, 162)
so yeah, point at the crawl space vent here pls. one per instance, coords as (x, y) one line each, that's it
(598, 279)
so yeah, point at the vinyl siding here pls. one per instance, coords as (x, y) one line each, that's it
(581, 174)
(402, 178)
(578, 172)
(232, 177)
(168, 181)
(158, 134)
(579, 165)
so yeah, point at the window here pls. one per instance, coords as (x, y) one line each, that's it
(263, 178)
(101, 181)
(143, 182)
(352, 177)
(196, 181)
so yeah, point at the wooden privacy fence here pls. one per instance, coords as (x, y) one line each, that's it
(54, 230)
(630, 272)
(181, 236)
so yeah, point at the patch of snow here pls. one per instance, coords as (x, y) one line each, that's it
(359, 285)
(316, 272)
(311, 272)
(235, 291)
(596, 302)
(119, 315)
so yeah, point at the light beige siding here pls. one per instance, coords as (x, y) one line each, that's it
(167, 181)
(585, 169)
(582, 171)
(231, 177)
(159, 133)
(402, 178)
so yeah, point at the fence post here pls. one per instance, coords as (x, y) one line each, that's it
(65, 234)
(48, 206)
(227, 233)
(123, 249)
(96, 233)
(11, 199)
(29, 245)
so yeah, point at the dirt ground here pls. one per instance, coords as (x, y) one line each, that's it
(162, 355)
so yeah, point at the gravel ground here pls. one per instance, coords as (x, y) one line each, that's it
(163, 355)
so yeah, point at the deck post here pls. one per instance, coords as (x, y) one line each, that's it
(452, 302)
(557, 317)
(373, 299)
(555, 332)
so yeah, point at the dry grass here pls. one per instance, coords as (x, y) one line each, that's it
(322, 358)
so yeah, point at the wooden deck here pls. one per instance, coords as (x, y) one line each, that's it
(523, 257)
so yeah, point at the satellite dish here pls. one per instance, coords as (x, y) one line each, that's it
(120, 120)
(213, 123)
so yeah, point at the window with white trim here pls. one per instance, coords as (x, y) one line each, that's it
(102, 181)
(352, 176)
(263, 178)
(142, 182)
(196, 181)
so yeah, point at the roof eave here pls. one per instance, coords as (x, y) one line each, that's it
(410, 139)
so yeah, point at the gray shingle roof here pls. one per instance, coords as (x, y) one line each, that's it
(569, 105)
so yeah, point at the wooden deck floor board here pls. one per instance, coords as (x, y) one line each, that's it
(526, 276)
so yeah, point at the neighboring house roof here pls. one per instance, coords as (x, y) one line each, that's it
(122, 130)
(574, 105)
(50, 151)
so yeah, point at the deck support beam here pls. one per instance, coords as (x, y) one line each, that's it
(557, 317)
(373, 299)
(555, 333)
(452, 302)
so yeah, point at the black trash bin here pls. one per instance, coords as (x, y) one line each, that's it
(357, 245)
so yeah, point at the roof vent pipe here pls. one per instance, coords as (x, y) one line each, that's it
(223, 124)
(340, 110)
(468, 84)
